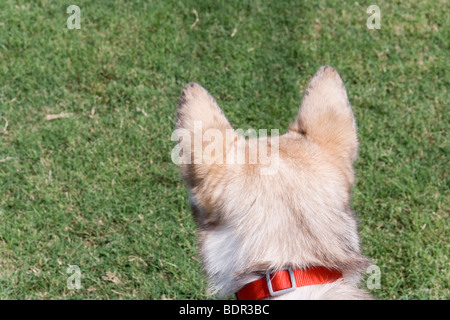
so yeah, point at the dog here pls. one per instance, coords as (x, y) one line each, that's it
(288, 233)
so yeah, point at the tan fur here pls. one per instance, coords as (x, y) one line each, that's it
(299, 216)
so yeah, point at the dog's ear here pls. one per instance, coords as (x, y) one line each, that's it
(202, 130)
(196, 104)
(326, 116)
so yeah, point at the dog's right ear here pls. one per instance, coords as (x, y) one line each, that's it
(201, 130)
(326, 116)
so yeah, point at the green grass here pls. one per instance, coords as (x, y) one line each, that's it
(99, 190)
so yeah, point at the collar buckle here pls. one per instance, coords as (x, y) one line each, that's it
(282, 291)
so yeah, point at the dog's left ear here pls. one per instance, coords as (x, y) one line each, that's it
(202, 131)
(326, 116)
(197, 105)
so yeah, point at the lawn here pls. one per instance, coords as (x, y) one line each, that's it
(97, 188)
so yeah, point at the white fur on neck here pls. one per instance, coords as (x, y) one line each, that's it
(223, 258)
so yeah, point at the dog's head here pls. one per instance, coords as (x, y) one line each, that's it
(272, 202)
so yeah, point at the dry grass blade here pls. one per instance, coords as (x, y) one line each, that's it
(7, 159)
(58, 116)
(4, 130)
(196, 18)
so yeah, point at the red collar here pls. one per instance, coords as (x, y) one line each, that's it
(285, 281)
